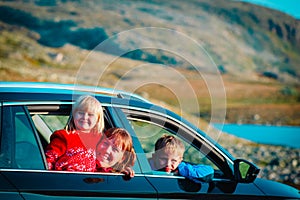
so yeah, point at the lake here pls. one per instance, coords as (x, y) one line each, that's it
(264, 134)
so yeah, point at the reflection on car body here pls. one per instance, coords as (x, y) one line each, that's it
(30, 112)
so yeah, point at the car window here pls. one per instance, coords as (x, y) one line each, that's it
(19, 145)
(47, 124)
(149, 133)
(48, 118)
(149, 129)
(55, 122)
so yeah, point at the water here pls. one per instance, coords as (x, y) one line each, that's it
(264, 134)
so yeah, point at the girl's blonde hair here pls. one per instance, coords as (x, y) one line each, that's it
(123, 140)
(89, 104)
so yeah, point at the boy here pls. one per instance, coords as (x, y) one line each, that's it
(168, 157)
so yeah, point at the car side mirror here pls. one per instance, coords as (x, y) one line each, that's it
(245, 171)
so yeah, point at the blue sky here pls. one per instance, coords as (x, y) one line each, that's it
(291, 7)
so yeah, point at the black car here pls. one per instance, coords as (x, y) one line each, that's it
(30, 112)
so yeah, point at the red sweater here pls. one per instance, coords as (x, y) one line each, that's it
(72, 151)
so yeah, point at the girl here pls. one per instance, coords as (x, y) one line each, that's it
(115, 152)
(73, 148)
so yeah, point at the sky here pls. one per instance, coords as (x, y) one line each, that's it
(291, 7)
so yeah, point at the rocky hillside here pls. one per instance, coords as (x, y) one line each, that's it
(267, 42)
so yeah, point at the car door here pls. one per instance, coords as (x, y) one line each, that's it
(150, 125)
(23, 162)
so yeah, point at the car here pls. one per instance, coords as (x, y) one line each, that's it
(30, 112)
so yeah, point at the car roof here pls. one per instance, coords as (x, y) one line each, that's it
(60, 89)
(46, 91)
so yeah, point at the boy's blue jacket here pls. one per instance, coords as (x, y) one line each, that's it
(198, 172)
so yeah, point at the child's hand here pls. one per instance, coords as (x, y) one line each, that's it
(128, 172)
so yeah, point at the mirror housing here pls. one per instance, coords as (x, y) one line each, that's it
(245, 171)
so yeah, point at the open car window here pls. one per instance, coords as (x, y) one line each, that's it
(148, 133)
(149, 127)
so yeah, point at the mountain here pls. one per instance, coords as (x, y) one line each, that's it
(254, 49)
(266, 40)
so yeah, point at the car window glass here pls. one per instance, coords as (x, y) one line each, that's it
(55, 122)
(18, 135)
(47, 124)
(149, 132)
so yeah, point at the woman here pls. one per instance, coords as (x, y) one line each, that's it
(115, 152)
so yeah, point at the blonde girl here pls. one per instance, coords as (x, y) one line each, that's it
(73, 148)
